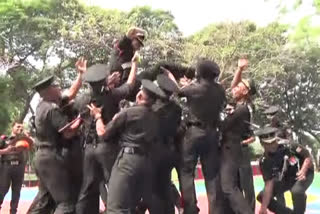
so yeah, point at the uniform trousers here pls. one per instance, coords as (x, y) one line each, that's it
(44, 202)
(55, 180)
(11, 173)
(246, 178)
(164, 159)
(130, 182)
(298, 192)
(203, 143)
(230, 165)
(97, 164)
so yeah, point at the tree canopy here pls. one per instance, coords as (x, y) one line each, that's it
(38, 37)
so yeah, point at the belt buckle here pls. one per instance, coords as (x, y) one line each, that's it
(129, 150)
(14, 163)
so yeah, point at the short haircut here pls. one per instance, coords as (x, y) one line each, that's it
(207, 69)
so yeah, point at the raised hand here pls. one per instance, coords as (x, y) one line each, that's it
(113, 80)
(185, 81)
(243, 63)
(81, 65)
(95, 111)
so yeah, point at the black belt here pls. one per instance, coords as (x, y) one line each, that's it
(245, 146)
(93, 141)
(134, 150)
(198, 124)
(11, 162)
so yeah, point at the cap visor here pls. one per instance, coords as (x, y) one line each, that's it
(140, 41)
(268, 141)
(283, 141)
(246, 83)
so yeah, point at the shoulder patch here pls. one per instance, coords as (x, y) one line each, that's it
(54, 105)
(3, 137)
(262, 159)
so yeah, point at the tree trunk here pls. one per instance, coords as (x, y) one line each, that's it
(26, 108)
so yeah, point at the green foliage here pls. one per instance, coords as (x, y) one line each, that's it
(286, 75)
(297, 3)
(316, 3)
(155, 22)
(297, 89)
(38, 37)
(226, 42)
(4, 111)
(305, 32)
(164, 40)
(28, 31)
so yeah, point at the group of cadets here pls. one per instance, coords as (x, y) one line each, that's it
(89, 145)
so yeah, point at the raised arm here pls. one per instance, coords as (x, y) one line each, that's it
(242, 65)
(81, 66)
(134, 67)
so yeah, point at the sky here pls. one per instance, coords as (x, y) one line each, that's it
(192, 16)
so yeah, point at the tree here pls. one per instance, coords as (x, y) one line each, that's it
(286, 75)
(164, 40)
(38, 37)
(306, 29)
(226, 42)
(28, 32)
(22, 37)
(297, 90)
